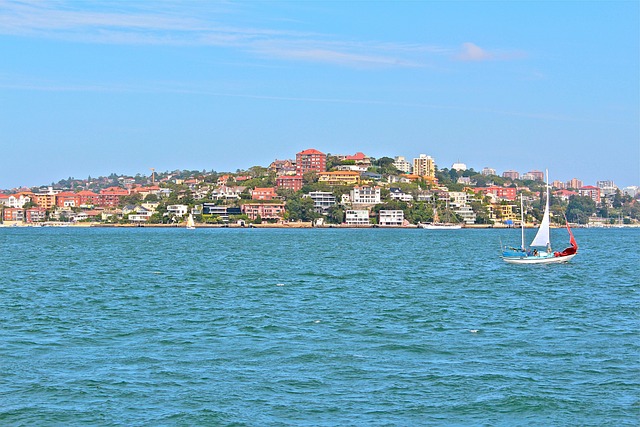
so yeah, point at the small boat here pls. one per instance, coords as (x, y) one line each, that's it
(436, 225)
(191, 224)
(542, 239)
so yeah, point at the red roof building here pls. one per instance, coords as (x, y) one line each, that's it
(590, 191)
(268, 193)
(505, 193)
(310, 160)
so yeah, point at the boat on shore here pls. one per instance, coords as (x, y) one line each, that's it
(542, 240)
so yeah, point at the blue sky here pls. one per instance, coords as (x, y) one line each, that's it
(88, 88)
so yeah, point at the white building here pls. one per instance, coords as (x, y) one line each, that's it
(391, 218)
(459, 166)
(607, 188)
(365, 195)
(178, 210)
(322, 200)
(459, 202)
(356, 217)
(398, 194)
(402, 164)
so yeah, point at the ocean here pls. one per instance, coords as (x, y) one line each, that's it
(315, 327)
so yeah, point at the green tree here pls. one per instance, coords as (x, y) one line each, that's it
(301, 209)
(580, 208)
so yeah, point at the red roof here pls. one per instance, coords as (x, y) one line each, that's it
(311, 151)
(87, 193)
(357, 156)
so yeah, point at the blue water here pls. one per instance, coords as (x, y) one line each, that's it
(255, 327)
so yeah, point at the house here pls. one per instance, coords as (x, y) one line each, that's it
(35, 215)
(226, 193)
(268, 193)
(67, 199)
(18, 200)
(357, 159)
(178, 210)
(564, 194)
(291, 182)
(322, 200)
(140, 214)
(282, 167)
(391, 218)
(339, 178)
(310, 160)
(397, 194)
(365, 195)
(357, 217)
(273, 211)
(504, 212)
(460, 203)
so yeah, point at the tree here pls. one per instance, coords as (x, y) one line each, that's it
(580, 208)
(301, 209)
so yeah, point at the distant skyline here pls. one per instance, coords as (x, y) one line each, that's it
(91, 88)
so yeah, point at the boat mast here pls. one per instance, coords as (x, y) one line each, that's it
(522, 221)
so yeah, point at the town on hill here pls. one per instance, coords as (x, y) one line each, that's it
(324, 190)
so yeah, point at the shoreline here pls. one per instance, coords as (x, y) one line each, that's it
(291, 225)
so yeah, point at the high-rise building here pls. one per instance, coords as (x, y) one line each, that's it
(537, 175)
(488, 171)
(607, 188)
(402, 164)
(558, 184)
(574, 183)
(310, 160)
(424, 166)
(511, 174)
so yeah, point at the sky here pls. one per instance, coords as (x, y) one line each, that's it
(90, 88)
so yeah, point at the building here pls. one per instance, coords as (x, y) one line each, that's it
(590, 191)
(359, 159)
(356, 217)
(510, 174)
(504, 193)
(631, 191)
(13, 214)
(339, 178)
(398, 194)
(558, 184)
(486, 171)
(87, 198)
(178, 210)
(402, 164)
(110, 197)
(459, 166)
(424, 165)
(18, 200)
(310, 160)
(283, 167)
(574, 183)
(291, 182)
(322, 200)
(607, 188)
(46, 199)
(272, 211)
(365, 195)
(537, 175)
(267, 193)
(226, 192)
(391, 218)
(564, 194)
(504, 213)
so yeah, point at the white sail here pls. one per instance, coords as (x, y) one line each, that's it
(542, 237)
(190, 222)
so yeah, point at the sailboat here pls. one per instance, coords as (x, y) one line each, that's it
(437, 225)
(191, 224)
(542, 239)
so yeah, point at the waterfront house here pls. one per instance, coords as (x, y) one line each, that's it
(356, 217)
(390, 218)
(268, 211)
(322, 200)
(178, 210)
(397, 194)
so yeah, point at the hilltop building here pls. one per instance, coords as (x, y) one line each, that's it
(310, 160)
(424, 165)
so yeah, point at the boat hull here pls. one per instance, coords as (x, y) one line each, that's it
(440, 227)
(537, 259)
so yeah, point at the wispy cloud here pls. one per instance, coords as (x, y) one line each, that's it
(474, 53)
(204, 24)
